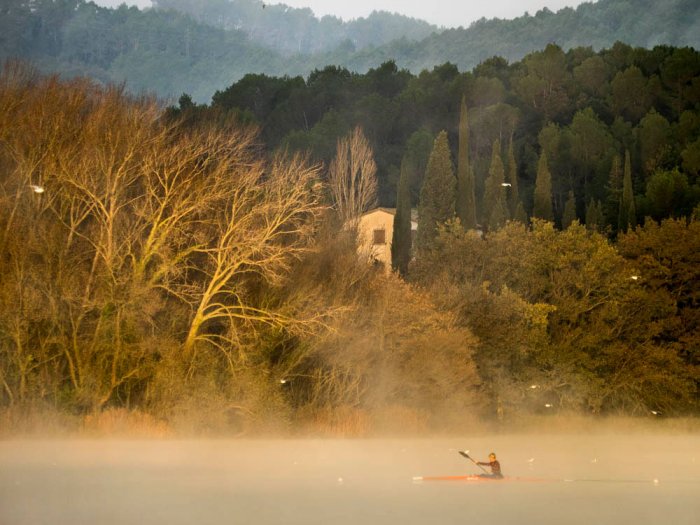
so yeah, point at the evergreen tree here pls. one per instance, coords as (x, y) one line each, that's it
(628, 215)
(612, 204)
(569, 215)
(465, 203)
(542, 208)
(437, 196)
(600, 216)
(594, 216)
(495, 207)
(416, 154)
(520, 214)
(401, 238)
(512, 179)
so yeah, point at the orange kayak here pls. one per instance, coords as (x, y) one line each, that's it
(476, 478)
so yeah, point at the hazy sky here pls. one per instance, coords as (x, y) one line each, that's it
(449, 13)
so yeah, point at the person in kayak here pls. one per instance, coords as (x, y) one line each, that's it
(495, 467)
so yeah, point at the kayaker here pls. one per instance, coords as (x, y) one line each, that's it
(495, 467)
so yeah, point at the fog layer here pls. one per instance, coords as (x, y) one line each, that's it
(311, 481)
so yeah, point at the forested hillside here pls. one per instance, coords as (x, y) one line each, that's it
(167, 52)
(643, 23)
(291, 30)
(155, 51)
(594, 115)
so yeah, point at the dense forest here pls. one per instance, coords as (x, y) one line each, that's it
(594, 116)
(199, 264)
(199, 47)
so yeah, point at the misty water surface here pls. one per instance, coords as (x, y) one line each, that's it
(350, 481)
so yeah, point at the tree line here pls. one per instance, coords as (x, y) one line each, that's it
(177, 267)
(564, 318)
(592, 127)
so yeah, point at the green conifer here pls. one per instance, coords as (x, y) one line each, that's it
(512, 179)
(612, 204)
(569, 215)
(593, 220)
(542, 208)
(495, 207)
(520, 214)
(628, 215)
(465, 202)
(437, 196)
(401, 238)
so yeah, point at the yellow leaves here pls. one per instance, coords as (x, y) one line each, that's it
(564, 307)
(145, 230)
(537, 315)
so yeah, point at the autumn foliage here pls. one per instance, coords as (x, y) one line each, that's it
(174, 271)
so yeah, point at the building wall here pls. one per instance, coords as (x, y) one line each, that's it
(369, 228)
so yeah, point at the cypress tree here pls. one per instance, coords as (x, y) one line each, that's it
(569, 215)
(512, 179)
(542, 208)
(612, 204)
(592, 218)
(628, 214)
(520, 214)
(465, 202)
(437, 196)
(495, 207)
(417, 153)
(401, 238)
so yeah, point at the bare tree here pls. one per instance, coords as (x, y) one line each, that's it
(266, 224)
(353, 176)
(123, 234)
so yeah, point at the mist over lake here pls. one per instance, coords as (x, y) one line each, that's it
(352, 481)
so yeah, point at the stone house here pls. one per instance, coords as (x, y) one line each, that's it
(375, 231)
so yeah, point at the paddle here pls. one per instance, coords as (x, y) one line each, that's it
(465, 453)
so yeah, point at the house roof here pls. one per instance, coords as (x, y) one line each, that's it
(392, 211)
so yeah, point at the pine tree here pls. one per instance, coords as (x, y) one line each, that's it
(465, 202)
(569, 215)
(512, 179)
(401, 238)
(495, 207)
(628, 214)
(542, 208)
(437, 196)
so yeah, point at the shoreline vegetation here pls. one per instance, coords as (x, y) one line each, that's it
(171, 272)
(135, 425)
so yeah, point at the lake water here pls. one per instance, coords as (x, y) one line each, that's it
(351, 481)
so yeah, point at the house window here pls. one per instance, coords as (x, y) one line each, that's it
(379, 236)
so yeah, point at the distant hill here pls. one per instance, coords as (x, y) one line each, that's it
(291, 30)
(639, 23)
(168, 52)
